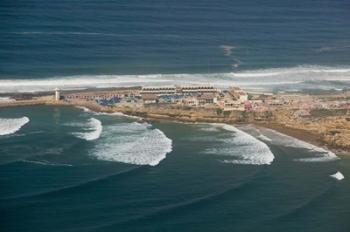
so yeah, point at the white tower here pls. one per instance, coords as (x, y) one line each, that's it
(57, 94)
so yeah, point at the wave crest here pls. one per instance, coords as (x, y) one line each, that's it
(87, 110)
(11, 125)
(133, 143)
(94, 130)
(320, 154)
(321, 76)
(338, 175)
(243, 147)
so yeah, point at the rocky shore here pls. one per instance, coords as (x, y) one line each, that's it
(330, 128)
(332, 132)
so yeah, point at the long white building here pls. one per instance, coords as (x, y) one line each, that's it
(169, 90)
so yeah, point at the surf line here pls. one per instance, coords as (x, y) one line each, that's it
(12, 125)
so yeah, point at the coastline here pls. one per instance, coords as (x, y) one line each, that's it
(304, 135)
(190, 116)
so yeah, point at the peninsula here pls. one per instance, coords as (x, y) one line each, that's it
(322, 119)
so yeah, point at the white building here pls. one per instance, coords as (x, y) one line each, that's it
(161, 90)
(243, 97)
(57, 94)
(181, 90)
(197, 89)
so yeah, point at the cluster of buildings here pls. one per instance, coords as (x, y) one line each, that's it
(196, 96)
(303, 104)
(190, 96)
(206, 96)
(105, 98)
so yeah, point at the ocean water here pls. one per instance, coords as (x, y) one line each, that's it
(273, 44)
(69, 169)
(66, 169)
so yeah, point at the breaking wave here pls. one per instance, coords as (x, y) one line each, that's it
(11, 125)
(94, 130)
(338, 175)
(209, 129)
(321, 77)
(87, 110)
(294, 72)
(264, 138)
(320, 154)
(133, 143)
(244, 148)
(117, 114)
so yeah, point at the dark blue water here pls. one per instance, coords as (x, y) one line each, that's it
(53, 180)
(63, 38)
(128, 178)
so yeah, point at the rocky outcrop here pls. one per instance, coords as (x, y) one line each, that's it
(190, 114)
(329, 127)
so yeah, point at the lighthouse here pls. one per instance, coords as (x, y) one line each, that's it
(57, 94)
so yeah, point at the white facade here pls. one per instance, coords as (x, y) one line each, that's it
(162, 90)
(57, 94)
(243, 97)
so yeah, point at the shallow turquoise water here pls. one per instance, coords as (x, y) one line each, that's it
(52, 180)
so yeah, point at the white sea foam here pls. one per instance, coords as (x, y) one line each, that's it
(117, 114)
(85, 109)
(209, 128)
(11, 125)
(298, 71)
(263, 137)
(94, 130)
(243, 147)
(133, 143)
(264, 79)
(253, 150)
(338, 176)
(320, 154)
